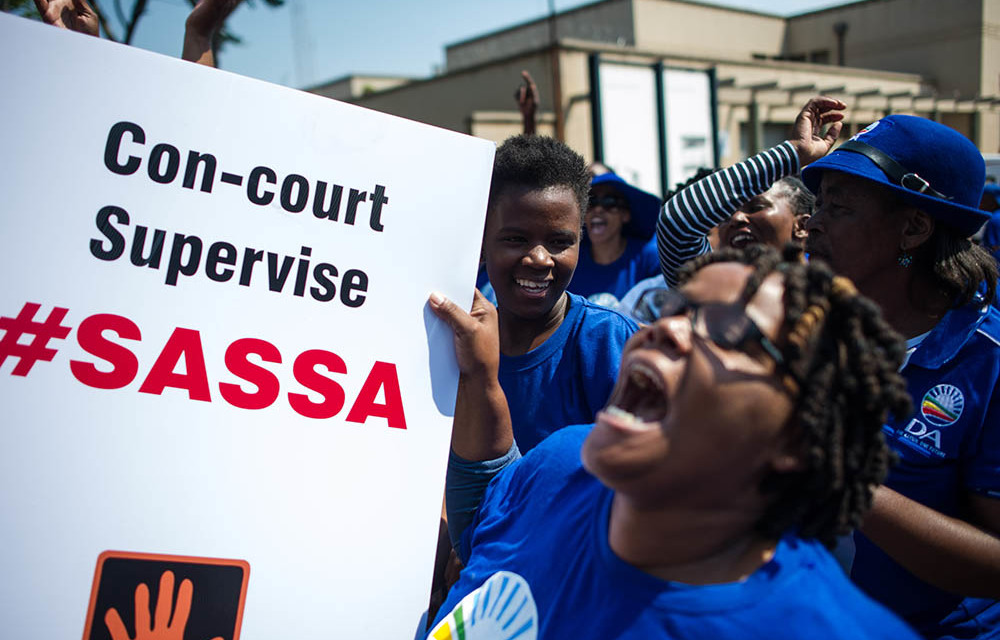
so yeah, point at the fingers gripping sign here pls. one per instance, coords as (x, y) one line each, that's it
(477, 341)
(164, 625)
(482, 429)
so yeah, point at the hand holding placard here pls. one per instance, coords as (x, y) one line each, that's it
(482, 428)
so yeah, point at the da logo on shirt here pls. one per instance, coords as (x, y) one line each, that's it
(942, 405)
(501, 609)
(867, 129)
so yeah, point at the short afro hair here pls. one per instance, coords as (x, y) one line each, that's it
(539, 162)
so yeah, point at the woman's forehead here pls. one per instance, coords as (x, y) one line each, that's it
(528, 206)
(726, 281)
(718, 282)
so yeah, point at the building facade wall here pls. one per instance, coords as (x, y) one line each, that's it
(353, 86)
(698, 30)
(988, 124)
(450, 100)
(610, 21)
(939, 40)
(884, 38)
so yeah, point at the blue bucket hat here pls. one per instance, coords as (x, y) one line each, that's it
(644, 206)
(928, 165)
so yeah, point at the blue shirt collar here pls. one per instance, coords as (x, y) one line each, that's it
(950, 334)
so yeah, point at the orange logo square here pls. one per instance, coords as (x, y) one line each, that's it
(155, 596)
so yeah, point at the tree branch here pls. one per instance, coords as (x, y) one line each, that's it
(137, 10)
(108, 33)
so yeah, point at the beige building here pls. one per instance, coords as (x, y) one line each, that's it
(932, 58)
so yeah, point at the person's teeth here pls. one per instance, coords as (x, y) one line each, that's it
(622, 414)
(532, 285)
(742, 239)
(644, 377)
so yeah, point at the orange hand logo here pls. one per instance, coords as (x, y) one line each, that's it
(164, 626)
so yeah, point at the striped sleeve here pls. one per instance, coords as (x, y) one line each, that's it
(686, 219)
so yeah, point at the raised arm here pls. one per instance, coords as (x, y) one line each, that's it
(75, 15)
(204, 21)
(482, 440)
(527, 103)
(686, 218)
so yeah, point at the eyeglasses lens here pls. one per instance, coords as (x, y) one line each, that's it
(727, 325)
(607, 202)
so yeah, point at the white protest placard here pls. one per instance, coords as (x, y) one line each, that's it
(220, 380)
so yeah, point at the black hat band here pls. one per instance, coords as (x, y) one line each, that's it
(896, 172)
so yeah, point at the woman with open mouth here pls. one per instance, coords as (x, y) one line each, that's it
(743, 436)
(618, 249)
(756, 201)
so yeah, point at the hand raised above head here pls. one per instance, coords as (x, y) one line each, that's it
(201, 26)
(527, 102)
(75, 15)
(208, 16)
(810, 141)
(527, 95)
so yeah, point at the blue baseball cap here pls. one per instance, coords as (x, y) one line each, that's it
(644, 206)
(928, 165)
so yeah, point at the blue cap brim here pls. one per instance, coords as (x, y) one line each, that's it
(966, 220)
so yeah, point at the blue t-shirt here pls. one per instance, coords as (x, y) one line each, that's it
(569, 377)
(540, 566)
(640, 261)
(948, 448)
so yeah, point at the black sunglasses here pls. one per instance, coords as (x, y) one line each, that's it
(607, 202)
(727, 325)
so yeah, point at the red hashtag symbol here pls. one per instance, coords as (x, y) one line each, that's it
(24, 324)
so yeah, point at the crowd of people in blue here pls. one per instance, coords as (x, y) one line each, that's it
(765, 407)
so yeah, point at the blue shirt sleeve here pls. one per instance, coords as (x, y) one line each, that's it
(465, 485)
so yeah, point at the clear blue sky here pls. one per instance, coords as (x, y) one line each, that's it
(334, 38)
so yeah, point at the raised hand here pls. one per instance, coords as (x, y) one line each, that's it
(204, 21)
(75, 15)
(527, 102)
(810, 140)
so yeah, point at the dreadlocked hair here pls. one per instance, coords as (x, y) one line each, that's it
(843, 358)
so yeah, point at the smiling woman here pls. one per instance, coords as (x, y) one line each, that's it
(553, 344)
(727, 200)
(742, 436)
